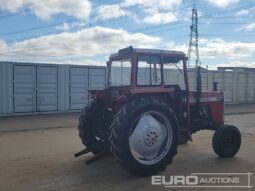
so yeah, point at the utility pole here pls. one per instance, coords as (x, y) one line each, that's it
(193, 44)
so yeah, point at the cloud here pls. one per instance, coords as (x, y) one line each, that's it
(230, 49)
(156, 11)
(222, 3)
(85, 43)
(216, 48)
(237, 64)
(64, 26)
(248, 27)
(78, 62)
(161, 4)
(2, 44)
(73, 25)
(80, 9)
(217, 52)
(158, 18)
(242, 12)
(106, 12)
(203, 40)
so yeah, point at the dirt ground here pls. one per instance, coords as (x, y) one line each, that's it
(43, 160)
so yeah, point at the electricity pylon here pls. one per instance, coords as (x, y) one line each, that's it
(193, 44)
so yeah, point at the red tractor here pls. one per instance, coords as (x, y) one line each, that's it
(148, 109)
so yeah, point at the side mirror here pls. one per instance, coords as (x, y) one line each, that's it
(199, 82)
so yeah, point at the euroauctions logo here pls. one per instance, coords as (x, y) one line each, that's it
(204, 180)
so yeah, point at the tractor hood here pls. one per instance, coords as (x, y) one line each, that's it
(207, 96)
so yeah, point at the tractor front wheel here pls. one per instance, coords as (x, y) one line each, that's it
(226, 141)
(143, 136)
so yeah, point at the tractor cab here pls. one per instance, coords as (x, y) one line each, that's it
(134, 72)
(146, 69)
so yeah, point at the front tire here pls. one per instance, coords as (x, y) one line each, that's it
(143, 136)
(226, 141)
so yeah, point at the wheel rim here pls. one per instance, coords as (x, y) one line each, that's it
(150, 137)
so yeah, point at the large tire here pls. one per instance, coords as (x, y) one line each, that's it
(183, 138)
(94, 122)
(122, 128)
(226, 141)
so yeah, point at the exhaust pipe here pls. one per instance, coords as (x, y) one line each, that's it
(215, 86)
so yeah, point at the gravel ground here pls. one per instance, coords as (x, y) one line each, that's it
(43, 160)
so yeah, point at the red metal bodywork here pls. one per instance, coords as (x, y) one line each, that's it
(214, 100)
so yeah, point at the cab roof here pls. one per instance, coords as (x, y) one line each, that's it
(130, 50)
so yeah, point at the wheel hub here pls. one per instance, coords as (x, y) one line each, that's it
(150, 138)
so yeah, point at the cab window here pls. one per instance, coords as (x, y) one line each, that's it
(173, 72)
(149, 70)
(120, 73)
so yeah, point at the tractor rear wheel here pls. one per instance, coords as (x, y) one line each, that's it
(226, 141)
(143, 136)
(94, 123)
(183, 138)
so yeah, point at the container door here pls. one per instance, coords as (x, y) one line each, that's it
(97, 78)
(250, 87)
(24, 88)
(218, 77)
(47, 88)
(228, 87)
(242, 82)
(78, 88)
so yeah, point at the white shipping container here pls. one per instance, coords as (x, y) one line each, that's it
(6, 88)
(250, 87)
(47, 88)
(24, 83)
(78, 87)
(97, 78)
(27, 88)
(242, 82)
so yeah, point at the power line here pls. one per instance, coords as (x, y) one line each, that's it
(102, 38)
(229, 10)
(224, 23)
(231, 17)
(74, 20)
(145, 29)
(228, 35)
(36, 28)
(58, 24)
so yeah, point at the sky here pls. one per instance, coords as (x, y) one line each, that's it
(87, 32)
